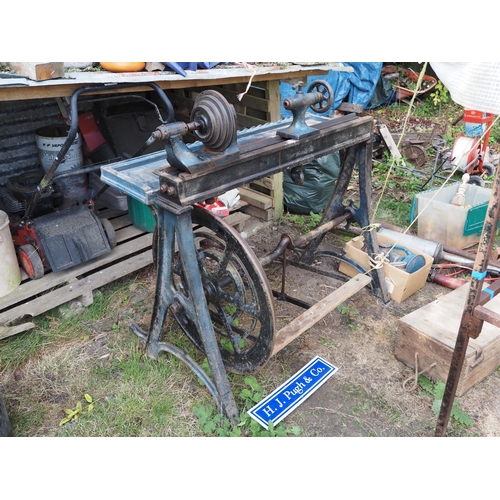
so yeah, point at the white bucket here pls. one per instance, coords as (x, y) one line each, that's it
(10, 274)
(49, 141)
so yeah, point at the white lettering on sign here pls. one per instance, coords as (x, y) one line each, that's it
(290, 394)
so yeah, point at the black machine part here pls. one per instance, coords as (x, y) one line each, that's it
(70, 237)
(5, 427)
(49, 175)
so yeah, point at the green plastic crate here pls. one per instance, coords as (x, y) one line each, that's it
(141, 215)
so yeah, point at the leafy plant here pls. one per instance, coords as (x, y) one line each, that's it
(214, 423)
(305, 222)
(440, 95)
(437, 390)
(349, 312)
(73, 414)
(343, 309)
(325, 342)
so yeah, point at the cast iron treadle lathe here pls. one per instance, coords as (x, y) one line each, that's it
(213, 284)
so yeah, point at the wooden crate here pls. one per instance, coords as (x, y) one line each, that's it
(431, 333)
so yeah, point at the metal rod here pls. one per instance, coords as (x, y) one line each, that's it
(470, 327)
(287, 242)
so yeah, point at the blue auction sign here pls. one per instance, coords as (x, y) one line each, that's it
(293, 392)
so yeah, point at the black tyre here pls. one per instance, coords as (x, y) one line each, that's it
(109, 230)
(488, 169)
(5, 427)
(476, 180)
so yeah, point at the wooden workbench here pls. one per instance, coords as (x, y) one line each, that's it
(260, 105)
(23, 88)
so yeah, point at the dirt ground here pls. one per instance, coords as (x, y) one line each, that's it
(372, 393)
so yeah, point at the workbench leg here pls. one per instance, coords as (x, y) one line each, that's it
(364, 219)
(179, 225)
(335, 206)
(360, 155)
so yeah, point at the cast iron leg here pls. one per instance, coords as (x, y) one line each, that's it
(365, 217)
(180, 224)
(335, 208)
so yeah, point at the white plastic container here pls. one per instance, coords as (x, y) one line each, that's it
(10, 274)
(49, 141)
(440, 221)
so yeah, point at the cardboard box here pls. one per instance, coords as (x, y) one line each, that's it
(400, 284)
(431, 333)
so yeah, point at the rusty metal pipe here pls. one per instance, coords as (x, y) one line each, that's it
(447, 281)
(287, 242)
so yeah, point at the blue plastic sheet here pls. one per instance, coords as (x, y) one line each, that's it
(355, 87)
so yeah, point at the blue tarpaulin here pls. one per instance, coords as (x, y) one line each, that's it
(355, 87)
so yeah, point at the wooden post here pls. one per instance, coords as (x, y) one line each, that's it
(274, 97)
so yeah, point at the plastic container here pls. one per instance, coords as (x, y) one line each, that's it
(10, 274)
(111, 198)
(49, 141)
(141, 215)
(439, 220)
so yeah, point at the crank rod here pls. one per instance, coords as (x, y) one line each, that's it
(286, 241)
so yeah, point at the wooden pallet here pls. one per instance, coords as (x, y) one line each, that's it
(132, 252)
(34, 297)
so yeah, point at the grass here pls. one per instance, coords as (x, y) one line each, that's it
(48, 370)
(94, 352)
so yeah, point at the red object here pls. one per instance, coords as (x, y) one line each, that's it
(448, 281)
(473, 116)
(91, 135)
(217, 207)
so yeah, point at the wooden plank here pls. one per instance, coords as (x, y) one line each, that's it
(265, 182)
(128, 233)
(274, 97)
(248, 100)
(165, 80)
(349, 107)
(265, 215)
(245, 121)
(237, 220)
(318, 311)
(389, 141)
(492, 317)
(38, 71)
(255, 198)
(8, 331)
